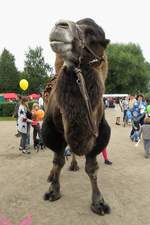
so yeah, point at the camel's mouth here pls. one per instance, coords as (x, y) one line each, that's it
(62, 36)
(59, 46)
(55, 42)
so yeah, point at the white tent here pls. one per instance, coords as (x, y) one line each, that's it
(115, 95)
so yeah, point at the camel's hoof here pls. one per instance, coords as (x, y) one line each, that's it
(51, 196)
(74, 167)
(101, 208)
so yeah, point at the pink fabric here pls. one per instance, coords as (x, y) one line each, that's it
(10, 95)
(105, 155)
(26, 221)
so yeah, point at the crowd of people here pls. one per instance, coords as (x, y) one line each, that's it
(134, 111)
(26, 118)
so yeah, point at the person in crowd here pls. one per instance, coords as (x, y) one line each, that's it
(135, 133)
(67, 152)
(117, 111)
(139, 108)
(125, 106)
(105, 156)
(37, 118)
(104, 153)
(22, 125)
(29, 116)
(145, 132)
(15, 114)
(106, 103)
(41, 102)
(132, 100)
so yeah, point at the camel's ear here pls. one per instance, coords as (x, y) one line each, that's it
(105, 43)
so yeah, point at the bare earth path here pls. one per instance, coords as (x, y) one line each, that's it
(125, 184)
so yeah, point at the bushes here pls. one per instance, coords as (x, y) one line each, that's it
(7, 108)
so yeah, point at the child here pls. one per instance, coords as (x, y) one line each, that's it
(145, 131)
(104, 152)
(40, 116)
(22, 125)
(105, 156)
(36, 123)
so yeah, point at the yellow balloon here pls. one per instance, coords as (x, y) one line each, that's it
(24, 84)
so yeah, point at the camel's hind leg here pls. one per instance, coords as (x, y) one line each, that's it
(98, 204)
(74, 164)
(54, 191)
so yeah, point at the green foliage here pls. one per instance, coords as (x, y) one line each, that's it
(9, 75)
(30, 103)
(128, 71)
(36, 71)
(7, 108)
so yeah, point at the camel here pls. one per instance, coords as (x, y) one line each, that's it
(75, 111)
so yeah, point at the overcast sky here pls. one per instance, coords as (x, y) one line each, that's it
(25, 23)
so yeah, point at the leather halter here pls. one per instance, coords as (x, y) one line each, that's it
(97, 59)
(81, 82)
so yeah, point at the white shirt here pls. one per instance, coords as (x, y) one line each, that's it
(41, 102)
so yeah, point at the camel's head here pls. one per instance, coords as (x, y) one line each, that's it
(73, 40)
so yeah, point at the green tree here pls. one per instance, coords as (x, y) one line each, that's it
(36, 71)
(128, 71)
(9, 76)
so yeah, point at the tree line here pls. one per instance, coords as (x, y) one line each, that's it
(128, 70)
(36, 71)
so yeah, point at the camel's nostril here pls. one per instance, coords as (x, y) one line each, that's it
(63, 24)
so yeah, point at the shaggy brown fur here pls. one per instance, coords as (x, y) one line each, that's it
(66, 117)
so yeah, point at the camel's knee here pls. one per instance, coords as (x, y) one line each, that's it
(91, 165)
(59, 160)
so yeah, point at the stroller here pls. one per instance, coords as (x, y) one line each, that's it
(136, 122)
(128, 118)
(134, 135)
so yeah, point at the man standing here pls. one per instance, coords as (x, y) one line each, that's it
(41, 102)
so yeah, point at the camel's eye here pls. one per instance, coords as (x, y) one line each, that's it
(90, 32)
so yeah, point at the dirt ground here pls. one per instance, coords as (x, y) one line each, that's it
(125, 185)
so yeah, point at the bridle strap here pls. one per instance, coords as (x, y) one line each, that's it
(97, 59)
(81, 82)
(84, 93)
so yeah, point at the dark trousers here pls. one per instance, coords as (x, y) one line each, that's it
(23, 140)
(36, 131)
(124, 115)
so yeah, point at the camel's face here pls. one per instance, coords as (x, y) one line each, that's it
(70, 39)
(62, 38)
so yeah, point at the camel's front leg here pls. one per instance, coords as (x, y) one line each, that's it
(54, 190)
(74, 164)
(98, 204)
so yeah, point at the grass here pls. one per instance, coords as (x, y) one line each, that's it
(7, 118)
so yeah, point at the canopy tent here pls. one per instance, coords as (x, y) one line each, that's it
(34, 96)
(11, 96)
(115, 95)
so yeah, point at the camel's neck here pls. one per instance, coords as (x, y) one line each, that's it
(68, 92)
(73, 108)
